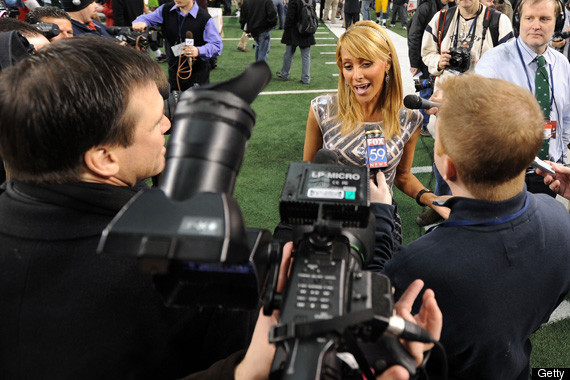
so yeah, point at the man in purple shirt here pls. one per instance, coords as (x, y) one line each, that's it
(191, 40)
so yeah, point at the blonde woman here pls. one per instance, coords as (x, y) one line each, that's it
(369, 98)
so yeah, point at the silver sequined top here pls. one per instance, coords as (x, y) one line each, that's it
(351, 148)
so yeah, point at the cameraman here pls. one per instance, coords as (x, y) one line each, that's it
(82, 123)
(177, 20)
(500, 264)
(52, 15)
(34, 37)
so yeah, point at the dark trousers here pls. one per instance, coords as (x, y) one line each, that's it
(535, 184)
(350, 18)
(402, 12)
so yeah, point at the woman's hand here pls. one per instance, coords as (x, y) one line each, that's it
(380, 193)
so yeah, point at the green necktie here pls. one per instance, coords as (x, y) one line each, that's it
(542, 94)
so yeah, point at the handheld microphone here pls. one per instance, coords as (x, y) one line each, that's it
(415, 102)
(326, 156)
(189, 38)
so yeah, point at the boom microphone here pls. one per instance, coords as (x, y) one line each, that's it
(415, 102)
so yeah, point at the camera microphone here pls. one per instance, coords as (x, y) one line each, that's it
(326, 156)
(415, 102)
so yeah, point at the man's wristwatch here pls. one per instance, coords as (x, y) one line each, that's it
(420, 193)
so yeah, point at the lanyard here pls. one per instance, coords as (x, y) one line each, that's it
(471, 31)
(492, 222)
(528, 78)
(181, 24)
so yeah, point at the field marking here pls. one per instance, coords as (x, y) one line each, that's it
(561, 312)
(330, 63)
(325, 45)
(422, 169)
(327, 52)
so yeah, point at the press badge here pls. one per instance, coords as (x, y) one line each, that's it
(549, 129)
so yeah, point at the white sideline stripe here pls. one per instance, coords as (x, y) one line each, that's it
(321, 45)
(421, 169)
(335, 75)
(325, 38)
(327, 52)
(561, 312)
(297, 92)
(330, 63)
(321, 32)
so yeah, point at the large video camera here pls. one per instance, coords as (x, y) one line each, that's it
(190, 234)
(422, 84)
(140, 40)
(6, 11)
(48, 29)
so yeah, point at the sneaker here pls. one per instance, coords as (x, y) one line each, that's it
(304, 82)
(424, 132)
(428, 217)
(280, 76)
(392, 25)
(242, 49)
(404, 27)
(161, 59)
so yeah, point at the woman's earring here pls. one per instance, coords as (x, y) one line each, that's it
(346, 83)
(387, 78)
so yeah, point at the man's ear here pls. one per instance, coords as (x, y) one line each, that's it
(102, 160)
(449, 172)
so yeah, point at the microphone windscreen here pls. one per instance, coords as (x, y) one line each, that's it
(189, 34)
(326, 156)
(413, 102)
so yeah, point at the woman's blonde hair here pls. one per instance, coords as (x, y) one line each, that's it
(367, 40)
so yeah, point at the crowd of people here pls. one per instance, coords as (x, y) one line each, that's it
(82, 127)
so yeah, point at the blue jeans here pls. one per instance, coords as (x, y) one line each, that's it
(365, 9)
(305, 63)
(426, 94)
(280, 9)
(262, 45)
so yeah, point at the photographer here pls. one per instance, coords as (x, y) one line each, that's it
(461, 32)
(500, 264)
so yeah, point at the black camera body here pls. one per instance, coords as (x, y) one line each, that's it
(423, 84)
(330, 304)
(460, 60)
(562, 35)
(141, 40)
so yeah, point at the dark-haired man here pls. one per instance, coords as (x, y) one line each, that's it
(499, 266)
(53, 15)
(518, 62)
(66, 311)
(178, 18)
(33, 36)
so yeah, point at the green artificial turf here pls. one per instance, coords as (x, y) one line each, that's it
(277, 140)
